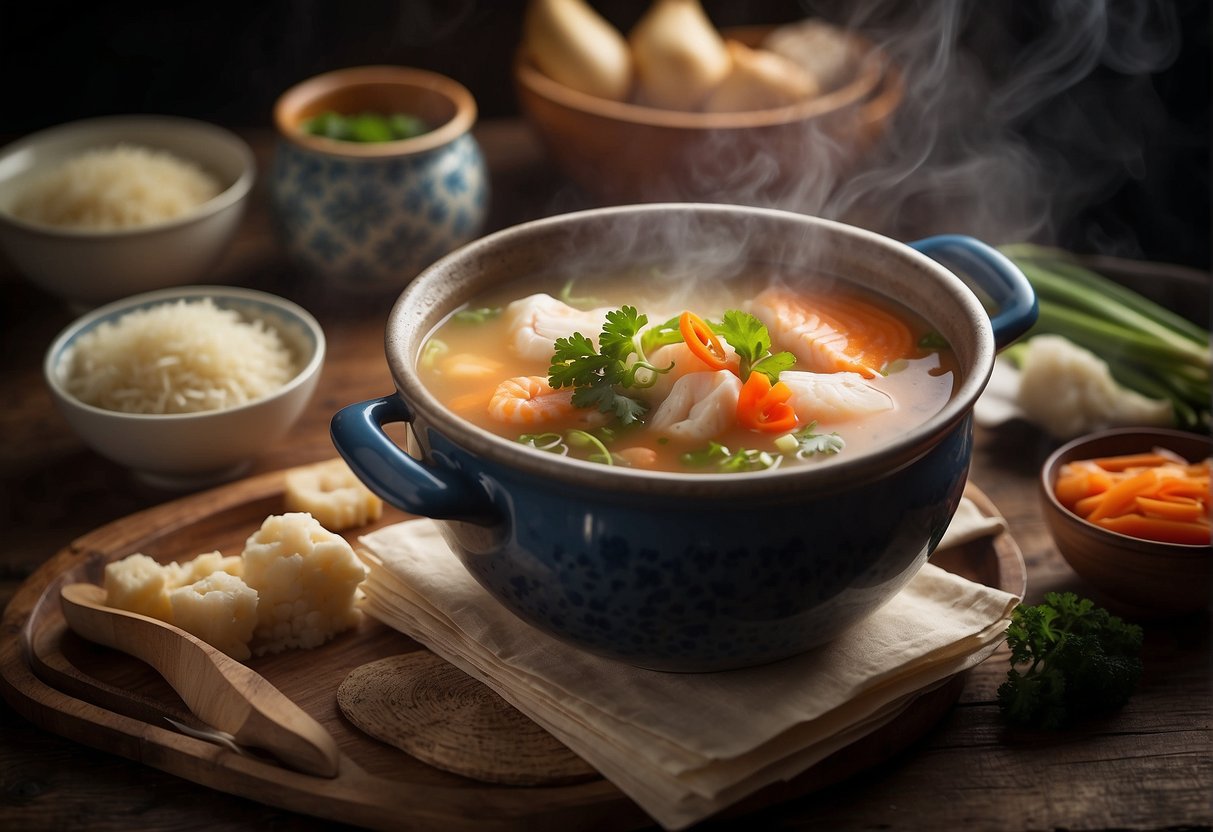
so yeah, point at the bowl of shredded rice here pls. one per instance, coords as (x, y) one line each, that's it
(186, 386)
(100, 209)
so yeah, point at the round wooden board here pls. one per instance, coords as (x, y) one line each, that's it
(117, 704)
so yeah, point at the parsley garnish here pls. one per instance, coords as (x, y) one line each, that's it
(1081, 660)
(749, 338)
(598, 375)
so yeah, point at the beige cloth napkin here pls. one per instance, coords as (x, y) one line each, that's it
(684, 746)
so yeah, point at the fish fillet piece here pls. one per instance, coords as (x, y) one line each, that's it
(700, 406)
(536, 321)
(833, 397)
(832, 334)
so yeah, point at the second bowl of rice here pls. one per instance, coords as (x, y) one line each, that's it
(99, 209)
(186, 386)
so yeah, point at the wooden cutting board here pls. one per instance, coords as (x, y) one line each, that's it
(115, 703)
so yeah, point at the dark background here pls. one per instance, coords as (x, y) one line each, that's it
(227, 61)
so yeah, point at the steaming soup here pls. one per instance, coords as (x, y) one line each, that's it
(752, 373)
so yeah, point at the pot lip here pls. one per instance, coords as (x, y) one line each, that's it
(288, 105)
(596, 477)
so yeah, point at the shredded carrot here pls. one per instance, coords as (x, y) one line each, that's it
(764, 406)
(1121, 495)
(1074, 483)
(1150, 460)
(1185, 509)
(1154, 528)
(1152, 496)
(702, 342)
(1086, 505)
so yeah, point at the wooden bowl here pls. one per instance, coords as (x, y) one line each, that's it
(621, 152)
(1147, 577)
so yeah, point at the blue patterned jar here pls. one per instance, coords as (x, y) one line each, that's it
(366, 217)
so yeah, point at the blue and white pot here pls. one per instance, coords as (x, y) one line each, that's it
(367, 217)
(690, 572)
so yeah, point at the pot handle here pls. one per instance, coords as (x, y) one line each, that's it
(993, 272)
(401, 480)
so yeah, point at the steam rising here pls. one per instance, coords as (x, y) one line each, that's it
(1010, 138)
(1009, 127)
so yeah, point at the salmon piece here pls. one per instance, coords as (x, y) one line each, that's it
(833, 334)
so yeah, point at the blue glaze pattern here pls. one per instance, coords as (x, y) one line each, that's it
(664, 570)
(663, 582)
(372, 224)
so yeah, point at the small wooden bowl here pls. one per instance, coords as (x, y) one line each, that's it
(1147, 577)
(620, 152)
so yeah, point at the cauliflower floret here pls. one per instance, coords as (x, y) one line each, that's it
(138, 583)
(1068, 391)
(220, 609)
(331, 493)
(305, 577)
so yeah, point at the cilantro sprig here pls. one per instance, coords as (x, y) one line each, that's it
(599, 375)
(750, 339)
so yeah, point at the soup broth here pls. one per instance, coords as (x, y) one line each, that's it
(862, 370)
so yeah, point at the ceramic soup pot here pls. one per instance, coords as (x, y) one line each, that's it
(665, 570)
(365, 217)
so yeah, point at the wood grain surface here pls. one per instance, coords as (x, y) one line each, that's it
(1147, 767)
(112, 702)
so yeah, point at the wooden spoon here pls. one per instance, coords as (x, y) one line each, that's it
(219, 690)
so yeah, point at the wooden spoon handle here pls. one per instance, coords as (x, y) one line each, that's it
(219, 690)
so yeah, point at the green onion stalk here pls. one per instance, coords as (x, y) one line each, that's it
(1148, 348)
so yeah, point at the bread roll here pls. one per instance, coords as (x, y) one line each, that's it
(759, 80)
(573, 44)
(680, 57)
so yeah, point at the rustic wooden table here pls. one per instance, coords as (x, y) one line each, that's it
(1147, 767)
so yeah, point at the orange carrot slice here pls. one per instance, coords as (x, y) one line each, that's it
(1152, 496)
(1154, 528)
(1075, 484)
(1121, 495)
(702, 342)
(1181, 508)
(764, 406)
(1150, 460)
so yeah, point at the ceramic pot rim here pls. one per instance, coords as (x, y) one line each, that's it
(297, 97)
(412, 309)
